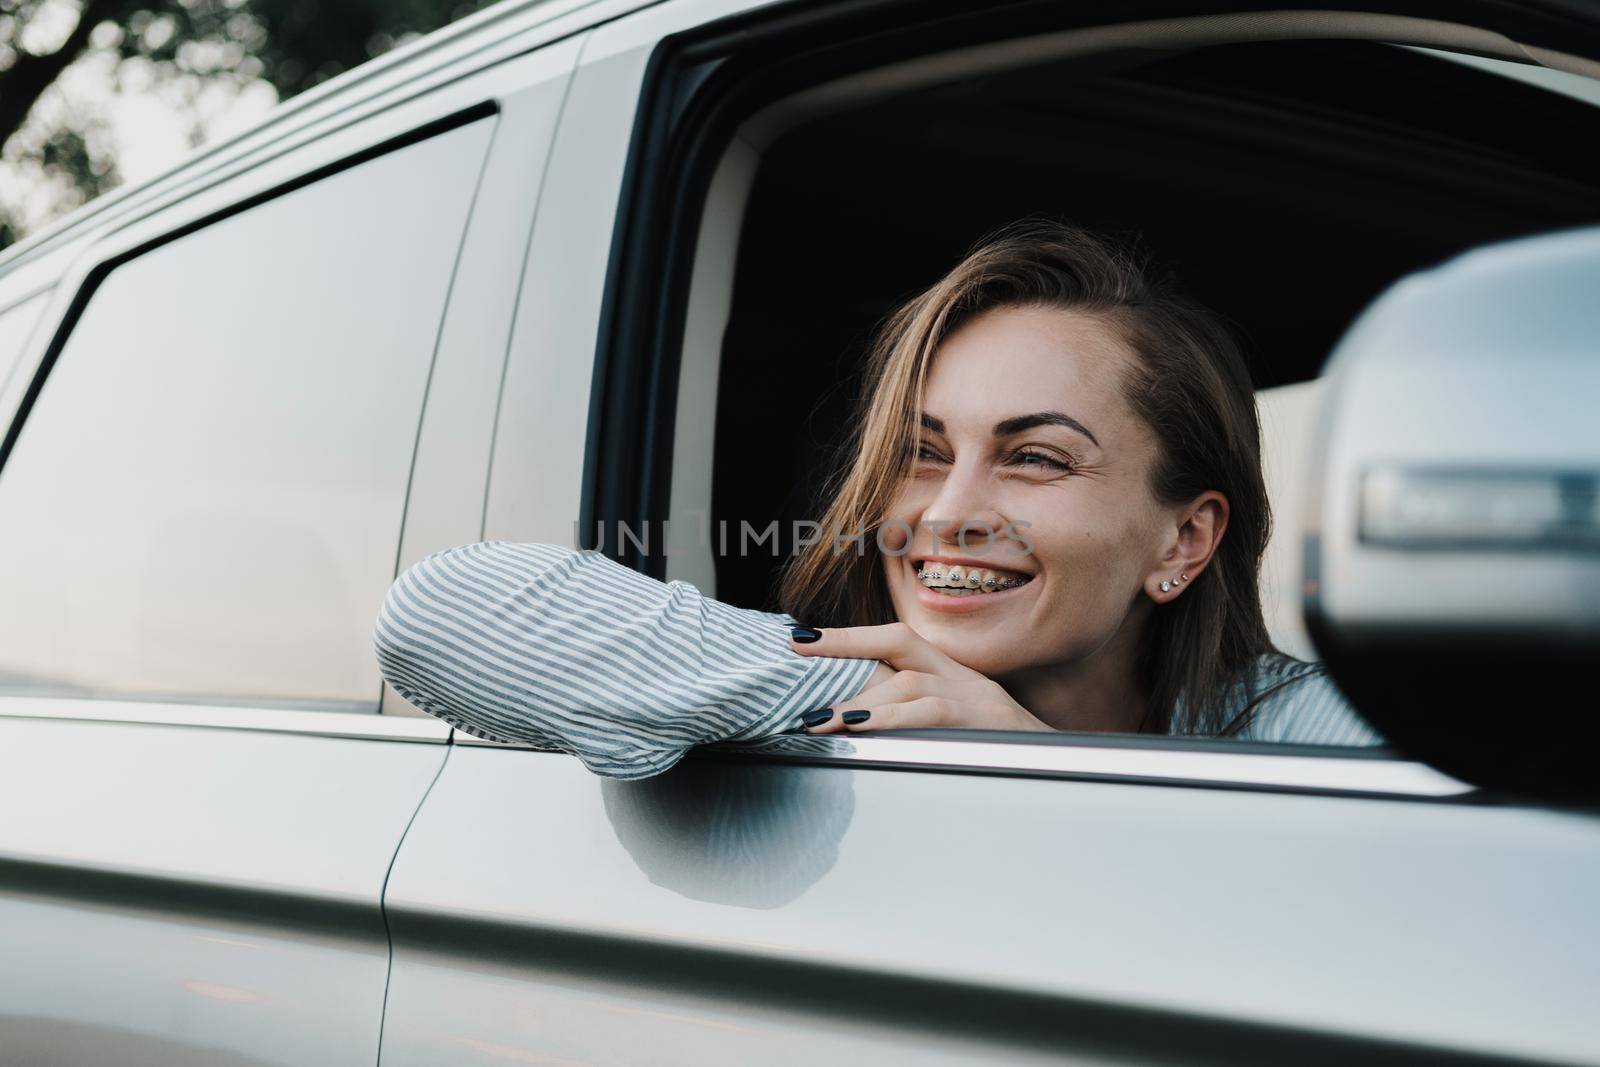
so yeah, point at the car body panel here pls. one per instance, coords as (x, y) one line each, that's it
(556, 925)
(173, 895)
(201, 883)
(450, 473)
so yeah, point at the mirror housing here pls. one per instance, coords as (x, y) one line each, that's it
(1452, 541)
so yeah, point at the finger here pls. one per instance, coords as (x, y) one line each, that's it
(894, 643)
(832, 725)
(898, 688)
(922, 712)
(882, 688)
(891, 687)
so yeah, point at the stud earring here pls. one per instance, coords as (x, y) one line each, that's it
(1166, 586)
(1183, 577)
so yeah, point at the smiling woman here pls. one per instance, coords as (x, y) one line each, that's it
(1133, 504)
(1056, 473)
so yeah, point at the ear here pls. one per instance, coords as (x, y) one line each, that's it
(1196, 532)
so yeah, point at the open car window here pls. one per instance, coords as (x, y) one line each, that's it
(1287, 183)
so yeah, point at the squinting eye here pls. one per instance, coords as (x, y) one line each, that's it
(1029, 458)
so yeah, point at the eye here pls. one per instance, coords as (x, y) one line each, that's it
(926, 454)
(1033, 459)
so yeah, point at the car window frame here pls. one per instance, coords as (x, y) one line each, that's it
(69, 296)
(383, 104)
(172, 223)
(135, 245)
(689, 105)
(36, 303)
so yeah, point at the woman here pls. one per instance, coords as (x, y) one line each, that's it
(1052, 518)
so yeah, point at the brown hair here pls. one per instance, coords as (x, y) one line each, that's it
(1190, 385)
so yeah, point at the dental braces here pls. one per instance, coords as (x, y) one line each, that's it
(990, 584)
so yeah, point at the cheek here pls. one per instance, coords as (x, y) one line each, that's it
(1088, 560)
(909, 502)
(902, 503)
(899, 526)
(897, 599)
(887, 565)
(1095, 549)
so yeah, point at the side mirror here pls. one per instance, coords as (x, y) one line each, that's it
(1452, 544)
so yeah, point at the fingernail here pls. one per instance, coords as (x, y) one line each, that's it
(818, 717)
(805, 634)
(856, 716)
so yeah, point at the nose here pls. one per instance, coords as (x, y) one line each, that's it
(962, 516)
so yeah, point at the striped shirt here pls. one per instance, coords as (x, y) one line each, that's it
(568, 650)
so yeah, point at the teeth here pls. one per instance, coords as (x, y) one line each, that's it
(959, 580)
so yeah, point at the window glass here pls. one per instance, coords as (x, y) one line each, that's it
(206, 499)
(16, 322)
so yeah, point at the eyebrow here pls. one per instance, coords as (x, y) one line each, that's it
(1019, 423)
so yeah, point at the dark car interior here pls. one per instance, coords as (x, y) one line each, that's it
(1246, 169)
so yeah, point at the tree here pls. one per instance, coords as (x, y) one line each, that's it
(291, 44)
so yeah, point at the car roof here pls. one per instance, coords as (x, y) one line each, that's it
(492, 33)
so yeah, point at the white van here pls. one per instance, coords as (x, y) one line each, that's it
(561, 263)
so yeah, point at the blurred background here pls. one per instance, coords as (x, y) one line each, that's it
(95, 93)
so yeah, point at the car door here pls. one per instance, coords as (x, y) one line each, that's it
(204, 489)
(927, 897)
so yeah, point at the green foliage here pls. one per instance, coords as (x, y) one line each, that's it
(291, 44)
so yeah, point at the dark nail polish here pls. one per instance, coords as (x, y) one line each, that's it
(856, 716)
(805, 634)
(818, 717)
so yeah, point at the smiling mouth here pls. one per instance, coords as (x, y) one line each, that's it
(956, 580)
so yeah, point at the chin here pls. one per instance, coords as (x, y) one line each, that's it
(990, 658)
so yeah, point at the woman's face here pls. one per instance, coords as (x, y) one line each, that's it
(1029, 446)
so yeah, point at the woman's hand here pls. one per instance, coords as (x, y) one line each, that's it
(915, 685)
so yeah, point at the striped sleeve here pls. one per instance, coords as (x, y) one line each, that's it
(569, 650)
